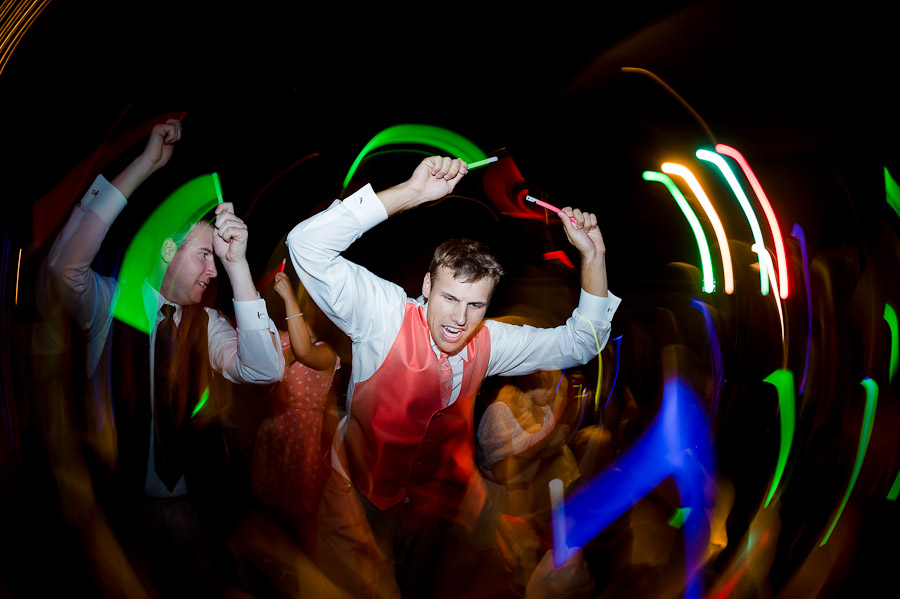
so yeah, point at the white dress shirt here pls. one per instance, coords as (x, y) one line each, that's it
(245, 355)
(370, 310)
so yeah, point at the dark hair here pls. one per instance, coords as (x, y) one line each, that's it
(467, 259)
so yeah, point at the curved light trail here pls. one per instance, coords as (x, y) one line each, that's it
(865, 434)
(670, 168)
(709, 282)
(767, 209)
(747, 208)
(443, 139)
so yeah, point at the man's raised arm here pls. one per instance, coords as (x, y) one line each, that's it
(521, 350)
(585, 235)
(345, 291)
(156, 155)
(435, 177)
(85, 295)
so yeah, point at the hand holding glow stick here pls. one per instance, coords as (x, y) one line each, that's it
(548, 206)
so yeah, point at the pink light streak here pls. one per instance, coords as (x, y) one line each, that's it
(770, 214)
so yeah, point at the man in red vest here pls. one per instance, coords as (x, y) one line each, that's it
(403, 458)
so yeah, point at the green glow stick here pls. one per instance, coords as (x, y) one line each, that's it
(481, 163)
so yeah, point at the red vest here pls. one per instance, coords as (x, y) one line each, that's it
(399, 441)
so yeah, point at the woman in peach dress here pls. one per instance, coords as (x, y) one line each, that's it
(287, 463)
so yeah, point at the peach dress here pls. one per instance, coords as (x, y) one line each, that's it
(287, 464)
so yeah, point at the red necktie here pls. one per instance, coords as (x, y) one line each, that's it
(446, 379)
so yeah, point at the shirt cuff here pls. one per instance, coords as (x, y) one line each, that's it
(595, 307)
(366, 206)
(251, 315)
(104, 199)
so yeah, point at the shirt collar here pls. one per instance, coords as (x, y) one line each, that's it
(153, 301)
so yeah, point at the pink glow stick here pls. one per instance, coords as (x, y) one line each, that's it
(548, 206)
(283, 262)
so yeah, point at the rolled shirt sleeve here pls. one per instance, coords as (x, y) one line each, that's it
(367, 308)
(248, 354)
(523, 349)
(84, 295)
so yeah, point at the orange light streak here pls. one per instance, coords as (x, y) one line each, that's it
(670, 168)
(18, 270)
(16, 19)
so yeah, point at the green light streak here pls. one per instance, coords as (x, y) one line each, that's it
(186, 204)
(891, 317)
(895, 489)
(871, 388)
(201, 403)
(892, 191)
(448, 141)
(709, 284)
(679, 517)
(783, 381)
(745, 205)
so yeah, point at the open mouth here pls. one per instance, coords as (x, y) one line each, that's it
(451, 334)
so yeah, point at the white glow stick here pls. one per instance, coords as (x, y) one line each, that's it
(558, 515)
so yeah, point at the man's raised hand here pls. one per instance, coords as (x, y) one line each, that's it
(159, 146)
(230, 239)
(584, 233)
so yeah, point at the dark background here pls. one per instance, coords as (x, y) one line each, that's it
(802, 90)
(280, 100)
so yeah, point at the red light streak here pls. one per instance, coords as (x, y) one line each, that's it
(770, 215)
